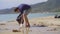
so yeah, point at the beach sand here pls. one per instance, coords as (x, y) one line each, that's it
(50, 26)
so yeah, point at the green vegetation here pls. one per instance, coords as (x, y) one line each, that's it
(49, 6)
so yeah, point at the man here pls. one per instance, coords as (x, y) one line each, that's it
(24, 10)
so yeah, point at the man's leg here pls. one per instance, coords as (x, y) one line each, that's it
(20, 21)
(26, 20)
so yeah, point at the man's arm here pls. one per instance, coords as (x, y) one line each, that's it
(26, 20)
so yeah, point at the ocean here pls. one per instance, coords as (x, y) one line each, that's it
(7, 17)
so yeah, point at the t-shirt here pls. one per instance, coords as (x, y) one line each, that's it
(23, 7)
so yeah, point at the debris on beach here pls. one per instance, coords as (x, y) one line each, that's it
(42, 26)
(16, 31)
(2, 24)
(57, 16)
(54, 29)
(38, 25)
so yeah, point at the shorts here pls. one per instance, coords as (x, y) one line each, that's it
(26, 12)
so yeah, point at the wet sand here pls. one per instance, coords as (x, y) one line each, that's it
(52, 26)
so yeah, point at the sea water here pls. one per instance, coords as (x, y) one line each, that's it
(6, 17)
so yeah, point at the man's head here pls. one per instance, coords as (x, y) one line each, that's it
(16, 9)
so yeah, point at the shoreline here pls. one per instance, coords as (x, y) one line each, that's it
(40, 20)
(52, 26)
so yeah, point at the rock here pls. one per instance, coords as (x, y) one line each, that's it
(57, 16)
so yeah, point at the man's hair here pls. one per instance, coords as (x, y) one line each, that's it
(16, 9)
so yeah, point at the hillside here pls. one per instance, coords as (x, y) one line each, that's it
(49, 6)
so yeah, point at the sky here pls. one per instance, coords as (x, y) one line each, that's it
(14, 3)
